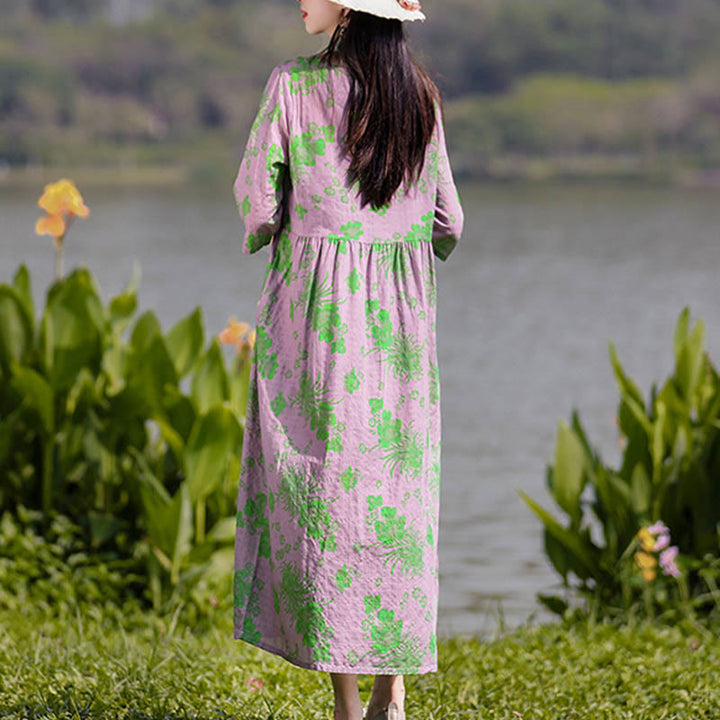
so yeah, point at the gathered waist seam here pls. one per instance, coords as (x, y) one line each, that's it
(354, 241)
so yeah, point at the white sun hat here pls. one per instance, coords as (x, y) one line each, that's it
(390, 9)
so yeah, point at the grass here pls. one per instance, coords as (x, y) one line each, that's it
(134, 666)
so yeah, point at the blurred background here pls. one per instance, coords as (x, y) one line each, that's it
(537, 88)
(585, 135)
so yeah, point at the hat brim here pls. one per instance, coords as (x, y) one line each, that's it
(389, 9)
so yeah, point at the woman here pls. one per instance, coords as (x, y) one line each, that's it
(346, 177)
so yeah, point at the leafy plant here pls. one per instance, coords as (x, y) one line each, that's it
(97, 428)
(669, 475)
(53, 571)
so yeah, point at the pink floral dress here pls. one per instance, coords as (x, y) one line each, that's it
(336, 565)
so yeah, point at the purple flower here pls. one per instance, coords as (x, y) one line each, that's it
(659, 528)
(667, 561)
(662, 542)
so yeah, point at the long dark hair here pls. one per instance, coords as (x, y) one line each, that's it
(391, 107)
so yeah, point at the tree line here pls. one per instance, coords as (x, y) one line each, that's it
(80, 76)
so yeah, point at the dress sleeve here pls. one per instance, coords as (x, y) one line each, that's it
(449, 217)
(260, 180)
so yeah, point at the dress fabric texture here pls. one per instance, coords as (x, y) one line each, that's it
(336, 565)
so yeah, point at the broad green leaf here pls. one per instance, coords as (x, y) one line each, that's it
(222, 562)
(37, 394)
(210, 383)
(169, 524)
(689, 360)
(223, 531)
(71, 344)
(213, 563)
(637, 440)
(185, 341)
(199, 559)
(569, 539)
(557, 554)
(681, 330)
(615, 499)
(658, 442)
(215, 435)
(79, 292)
(102, 527)
(150, 370)
(23, 286)
(146, 478)
(676, 406)
(127, 411)
(184, 536)
(173, 439)
(15, 328)
(637, 411)
(218, 565)
(682, 444)
(233, 470)
(102, 457)
(568, 471)
(71, 329)
(640, 491)
(120, 310)
(711, 409)
(582, 437)
(134, 283)
(627, 386)
(83, 391)
(46, 342)
(179, 411)
(239, 382)
(553, 603)
(114, 364)
(146, 329)
(708, 389)
(124, 305)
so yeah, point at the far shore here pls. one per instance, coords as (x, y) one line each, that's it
(515, 169)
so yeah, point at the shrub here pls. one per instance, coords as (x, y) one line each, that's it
(667, 485)
(97, 433)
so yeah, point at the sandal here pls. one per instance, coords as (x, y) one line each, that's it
(392, 712)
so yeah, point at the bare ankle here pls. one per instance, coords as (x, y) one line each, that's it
(387, 689)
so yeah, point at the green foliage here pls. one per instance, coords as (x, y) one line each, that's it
(96, 432)
(485, 46)
(589, 126)
(670, 471)
(53, 571)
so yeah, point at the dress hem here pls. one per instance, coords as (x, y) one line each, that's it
(329, 667)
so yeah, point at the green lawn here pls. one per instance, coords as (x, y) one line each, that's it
(102, 664)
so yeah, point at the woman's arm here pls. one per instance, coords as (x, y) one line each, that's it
(259, 184)
(449, 217)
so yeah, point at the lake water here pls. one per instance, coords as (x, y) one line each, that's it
(544, 278)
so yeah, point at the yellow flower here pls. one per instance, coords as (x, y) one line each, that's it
(239, 334)
(648, 574)
(50, 225)
(63, 198)
(647, 539)
(645, 560)
(647, 564)
(234, 331)
(62, 202)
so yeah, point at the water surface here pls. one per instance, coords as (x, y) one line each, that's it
(544, 278)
